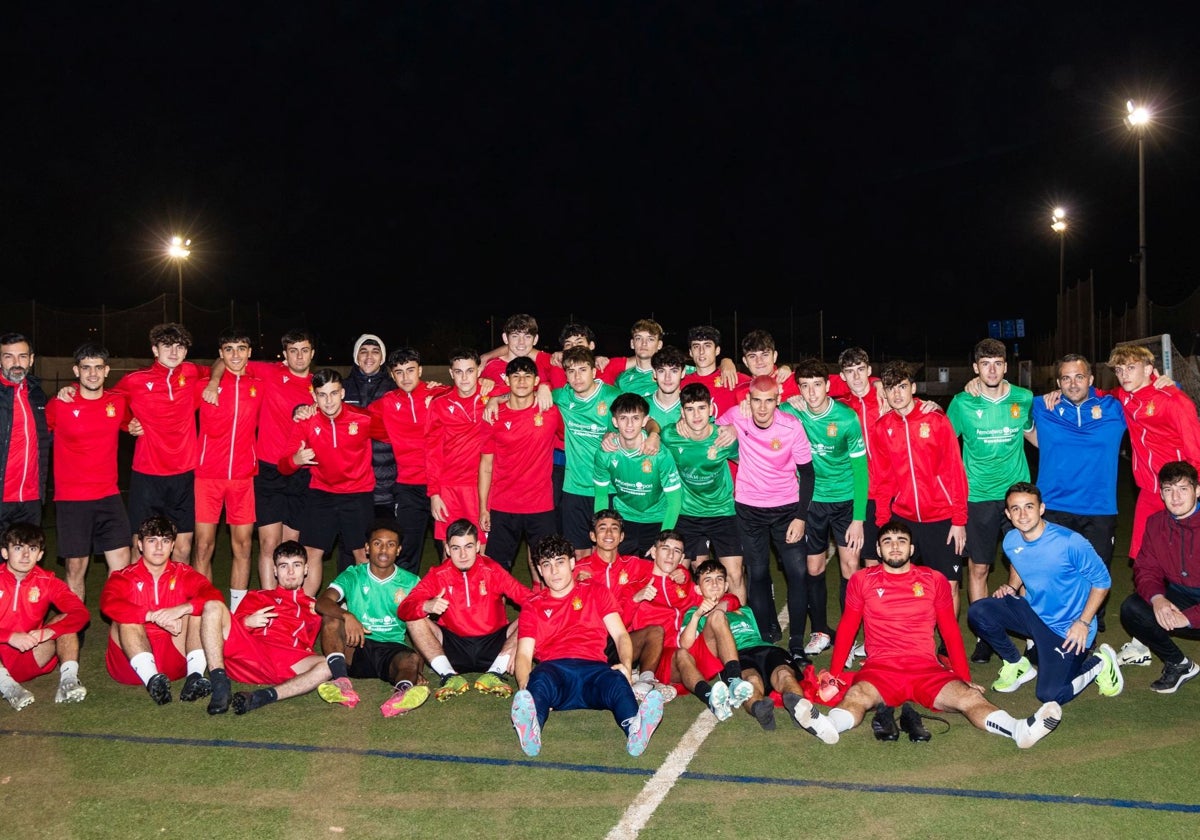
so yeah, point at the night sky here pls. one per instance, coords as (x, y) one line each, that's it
(409, 167)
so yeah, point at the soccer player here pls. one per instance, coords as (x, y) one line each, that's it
(839, 503)
(403, 412)
(269, 639)
(456, 617)
(661, 596)
(704, 348)
(278, 498)
(24, 437)
(1055, 586)
(516, 493)
(706, 513)
(993, 426)
(668, 365)
(520, 337)
(454, 435)
(89, 512)
(361, 633)
(581, 335)
(645, 489)
(1163, 427)
(898, 605)
(225, 472)
(920, 476)
(31, 645)
(760, 356)
(771, 493)
(1166, 602)
(646, 340)
(367, 382)
(163, 400)
(334, 444)
(565, 628)
(160, 610)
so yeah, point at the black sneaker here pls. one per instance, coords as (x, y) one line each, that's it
(159, 688)
(1174, 676)
(241, 702)
(219, 704)
(800, 661)
(982, 654)
(884, 723)
(910, 722)
(195, 687)
(764, 713)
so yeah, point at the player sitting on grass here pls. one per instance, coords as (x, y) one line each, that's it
(269, 638)
(898, 605)
(457, 620)
(160, 610)
(566, 626)
(361, 634)
(742, 680)
(29, 644)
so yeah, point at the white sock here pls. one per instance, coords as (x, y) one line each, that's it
(196, 663)
(1001, 722)
(842, 720)
(500, 666)
(68, 671)
(144, 666)
(235, 598)
(442, 666)
(6, 680)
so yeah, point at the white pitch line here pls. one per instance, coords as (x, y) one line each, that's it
(674, 765)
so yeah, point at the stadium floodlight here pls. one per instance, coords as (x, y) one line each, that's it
(179, 250)
(1137, 117)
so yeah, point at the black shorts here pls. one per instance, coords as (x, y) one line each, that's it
(504, 539)
(577, 512)
(11, 513)
(986, 524)
(326, 515)
(825, 518)
(279, 497)
(374, 659)
(1099, 529)
(933, 550)
(700, 533)
(765, 659)
(870, 551)
(473, 654)
(639, 537)
(91, 527)
(172, 496)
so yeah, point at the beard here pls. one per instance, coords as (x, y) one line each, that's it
(896, 564)
(15, 374)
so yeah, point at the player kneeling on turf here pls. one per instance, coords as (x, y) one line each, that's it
(898, 605)
(566, 626)
(29, 644)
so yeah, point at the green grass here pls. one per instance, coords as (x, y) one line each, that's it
(1139, 746)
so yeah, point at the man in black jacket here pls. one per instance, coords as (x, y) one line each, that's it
(24, 437)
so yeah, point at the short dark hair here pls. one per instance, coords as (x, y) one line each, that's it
(15, 338)
(402, 356)
(669, 534)
(990, 348)
(668, 357)
(461, 528)
(1069, 359)
(852, 356)
(520, 323)
(233, 335)
(607, 513)
(521, 364)
(628, 403)
(170, 334)
(552, 545)
(288, 548)
(712, 564)
(810, 369)
(324, 377)
(1173, 471)
(694, 392)
(460, 353)
(25, 533)
(157, 526)
(91, 350)
(385, 523)
(578, 354)
(295, 336)
(896, 372)
(704, 333)
(572, 330)
(895, 526)
(757, 340)
(1023, 487)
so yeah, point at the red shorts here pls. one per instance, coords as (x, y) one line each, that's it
(250, 659)
(462, 502)
(167, 657)
(235, 494)
(23, 665)
(706, 661)
(898, 681)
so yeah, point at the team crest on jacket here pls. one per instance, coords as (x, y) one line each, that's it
(623, 578)
(537, 420)
(576, 603)
(647, 466)
(1014, 410)
(1150, 410)
(253, 391)
(680, 591)
(1097, 412)
(923, 431)
(352, 429)
(776, 444)
(171, 584)
(182, 380)
(110, 410)
(483, 587)
(35, 594)
(831, 430)
(918, 590)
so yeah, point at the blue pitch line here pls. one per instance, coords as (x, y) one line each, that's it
(857, 787)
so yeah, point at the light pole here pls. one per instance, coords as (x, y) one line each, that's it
(179, 250)
(1058, 224)
(1137, 117)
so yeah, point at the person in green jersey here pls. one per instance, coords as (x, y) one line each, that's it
(993, 425)
(669, 365)
(758, 659)
(646, 339)
(361, 633)
(645, 488)
(707, 518)
(839, 504)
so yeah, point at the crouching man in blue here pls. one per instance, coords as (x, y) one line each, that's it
(1055, 587)
(566, 626)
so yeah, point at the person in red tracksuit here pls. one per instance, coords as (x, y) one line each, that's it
(920, 476)
(457, 620)
(454, 436)
(404, 412)
(227, 463)
(334, 443)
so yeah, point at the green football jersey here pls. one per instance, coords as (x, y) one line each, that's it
(585, 421)
(374, 601)
(663, 416)
(634, 380)
(704, 471)
(637, 484)
(742, 625)
(835, 437)
(993, 438)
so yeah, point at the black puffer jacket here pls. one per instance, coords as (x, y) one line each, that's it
(37, 401)
(362, 390)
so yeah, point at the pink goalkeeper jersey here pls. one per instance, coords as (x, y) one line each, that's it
(767, 459)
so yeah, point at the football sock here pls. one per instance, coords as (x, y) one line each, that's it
(702, 690)
(68, 671)
(731, 670)
(144, 666)
(1001, 722)
(196, 662)
(337, 665)
(500, 666)
(235, 598)
(442, 666)
(842, 720)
